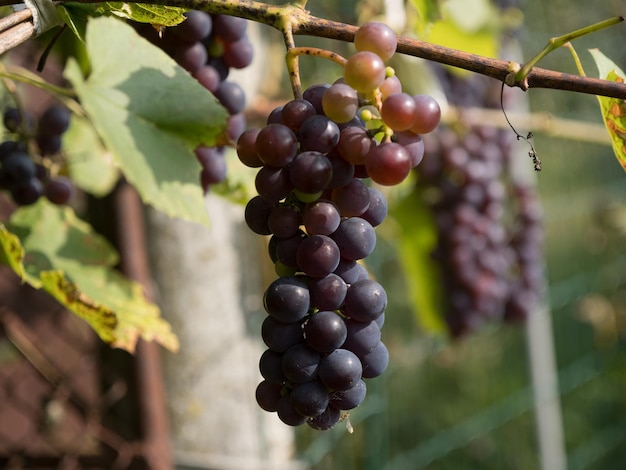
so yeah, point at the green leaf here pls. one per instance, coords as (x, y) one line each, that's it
(151, 114)
(90, 165)
(161, 15)
(75, 16)
(52, 249)
(417, 238)
(613, 109)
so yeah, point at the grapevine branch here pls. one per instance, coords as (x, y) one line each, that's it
(294, 20)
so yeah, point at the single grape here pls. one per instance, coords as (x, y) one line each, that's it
(354, 144)
(351, 271)
(390, 86)
(343, 172)
(191, 58)
(340, 370)
(318, 133)
(49, 144)
(375, 362)
(59, 190)
(19, 167)
(329, 292)
(231, 96)
(364, 71)
(365, 301)
(314, 95)
(321, 218)
(310, 172)
(284, 221)
(229, 28)
(350, 398)
(287, 249)
(355, 238)
(388, 164)
(428, 114)
(196, 27)
(268, 395)
(213, 165)
(279, 336)
(318, 255)
(413, 144)
(276, 145)
(326, 420)
(340, 102)
(287, 413)
(28, 192)
(238, 54)
(325, 331)
(352, 199)
(377, 209)
(246, 150)
(361, 337)
(287, 300)
(300, 363)
(270, 366)
(295, 112)
(399, 111)
(376, 37)
(55, 120)
(309, 399)
(273, 184)
(256, 215)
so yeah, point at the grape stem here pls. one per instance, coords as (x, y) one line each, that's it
(293, 66)
(292, 19)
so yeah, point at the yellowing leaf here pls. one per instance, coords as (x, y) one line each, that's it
(613, 109)
(50, 248)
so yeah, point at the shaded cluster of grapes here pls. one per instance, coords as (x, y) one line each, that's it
(208, 46)
(25, 160)
(489, 229)
(315, 157)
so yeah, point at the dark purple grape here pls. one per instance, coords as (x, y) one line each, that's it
(343, 172)
(229, 28)
(276, 145)
(295, 112)
(268, 395)
(49, 144)
(375, 362)
(328, 293)
(19, 167)
(256, 215)
(351, 398)
(27, 193)
(287, 413)
(213, 166)
(16, 121)
(318, 255)
(270, 366)
(325, 331)
(231, 96)
(365, 301)
(300, 363)
(351, 271)
(309, 399)
(287, 299)
(361, 338)
(246, 150)
(377, 209)
(352, 199)
(273, 184)
(59, 190)
(284, 221)
(321, 218)
(190, 57)
(314, 95)
(279, 336)
(9, 147)
(208, 77)
(287, 249)
(340, 370)
(318, 133)
(54, 121)
(326, 420)
(310, 172)
(355, 238)
(238, 54)
(196, 27)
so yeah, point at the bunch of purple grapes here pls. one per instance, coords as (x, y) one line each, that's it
(208, 46)
(315, 155)
(491, 263)
(26, 159)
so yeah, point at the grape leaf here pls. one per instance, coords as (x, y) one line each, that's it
(90, 165)
(416, 240)
(150, 113)
(161, 15)
(50, 248)
(75, 16)
(613, 109)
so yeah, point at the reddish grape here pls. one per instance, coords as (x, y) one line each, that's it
(340, 102)
(399, 111)
(376, 37)
(388, 164)
(364, 71)
(428, 114)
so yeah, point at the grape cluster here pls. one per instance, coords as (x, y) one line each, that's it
(315, 156)
(26, 159)
(208, 46)
(491, 262)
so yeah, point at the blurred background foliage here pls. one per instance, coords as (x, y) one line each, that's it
(468, 404)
